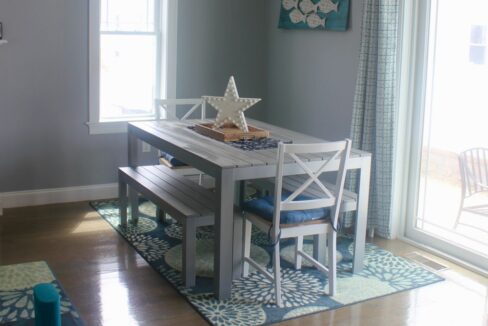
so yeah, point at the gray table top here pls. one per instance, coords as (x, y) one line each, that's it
(225, 155)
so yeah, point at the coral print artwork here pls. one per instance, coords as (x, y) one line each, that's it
(314, 14)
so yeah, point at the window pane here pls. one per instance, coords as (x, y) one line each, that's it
(127, 76)
(478, 34)
(128, 15)
(477, 54)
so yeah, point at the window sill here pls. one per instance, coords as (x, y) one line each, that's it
(100, 128)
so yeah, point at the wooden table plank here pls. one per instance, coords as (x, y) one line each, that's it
(201, 152)
(181, 129)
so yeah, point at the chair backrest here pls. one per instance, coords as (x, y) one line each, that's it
(473, 164)
(167, 109)
(337, 154)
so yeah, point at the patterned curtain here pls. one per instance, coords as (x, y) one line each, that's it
(374, 114)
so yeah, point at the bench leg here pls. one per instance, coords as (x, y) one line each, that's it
(189, 254)
(160, 215)
(134, 206)
(123, 204)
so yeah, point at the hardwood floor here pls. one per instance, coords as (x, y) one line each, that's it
(111, 285)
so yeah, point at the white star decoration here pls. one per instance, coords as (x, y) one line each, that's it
(231, 107)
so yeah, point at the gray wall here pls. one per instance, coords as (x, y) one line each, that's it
(231, 35)
(44, 84)
(311, 75)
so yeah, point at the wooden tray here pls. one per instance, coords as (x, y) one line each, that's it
(230, 132)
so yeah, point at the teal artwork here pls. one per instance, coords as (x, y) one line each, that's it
(314, 14)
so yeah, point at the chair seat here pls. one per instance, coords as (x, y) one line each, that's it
(264, 207)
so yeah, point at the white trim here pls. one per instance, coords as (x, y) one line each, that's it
(168, 44)
(445, 256)
(98, 128)
(93, 62)
(57, 195)
(171, 37)
(407, 101)
(413, 97)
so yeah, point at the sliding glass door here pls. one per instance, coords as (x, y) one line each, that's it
(448, 188)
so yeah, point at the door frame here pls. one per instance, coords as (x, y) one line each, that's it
(414, 89)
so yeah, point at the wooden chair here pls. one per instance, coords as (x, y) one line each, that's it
(294, 215)
(473, 165)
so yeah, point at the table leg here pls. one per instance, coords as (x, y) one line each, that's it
(132, 151)
(238, 228)
(224, 227)
(361, 216)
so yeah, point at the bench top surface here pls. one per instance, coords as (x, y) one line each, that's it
(184, 195)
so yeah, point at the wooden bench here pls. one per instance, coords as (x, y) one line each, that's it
(187, 202)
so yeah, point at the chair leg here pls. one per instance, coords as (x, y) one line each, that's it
(123, 203)
(332, 260)
(298, 247)
(134, 206)
(277, 275)
(458, 218)
(189, 254)
(247, 246)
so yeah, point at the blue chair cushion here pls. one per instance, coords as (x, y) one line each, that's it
(264, 207)
(172, 160)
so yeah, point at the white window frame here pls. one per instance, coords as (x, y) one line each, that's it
(414, 90)
(167, 60)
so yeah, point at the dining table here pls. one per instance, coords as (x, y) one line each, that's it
(231, 166)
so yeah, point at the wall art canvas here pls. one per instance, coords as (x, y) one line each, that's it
(314, 14)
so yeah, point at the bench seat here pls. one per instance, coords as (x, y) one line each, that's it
(187, 202)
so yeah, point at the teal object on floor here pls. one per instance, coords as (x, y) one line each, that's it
(47, 305)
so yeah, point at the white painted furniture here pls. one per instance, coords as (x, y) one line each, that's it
(229, 165)
(473, 164)
(324, 222)
(187, 202)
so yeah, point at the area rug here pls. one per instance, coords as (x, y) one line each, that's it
(17, 299)
(252, 301)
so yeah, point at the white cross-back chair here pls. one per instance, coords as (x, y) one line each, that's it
(174, 109)
(317, 215)
(180, 110)
(473, 164)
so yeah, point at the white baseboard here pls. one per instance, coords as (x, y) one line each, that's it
(57, 195)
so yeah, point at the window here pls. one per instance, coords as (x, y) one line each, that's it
(477, 46)
(132, 52)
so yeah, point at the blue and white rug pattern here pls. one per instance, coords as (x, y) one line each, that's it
(252, 302)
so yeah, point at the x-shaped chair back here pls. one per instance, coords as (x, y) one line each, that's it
(335, 151)
(167, 108)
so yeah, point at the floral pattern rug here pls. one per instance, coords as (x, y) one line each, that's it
(252, 301)
(17, 295)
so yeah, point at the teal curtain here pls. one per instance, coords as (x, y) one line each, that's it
(374, 119)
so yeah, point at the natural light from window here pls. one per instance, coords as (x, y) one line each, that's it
(130, 68)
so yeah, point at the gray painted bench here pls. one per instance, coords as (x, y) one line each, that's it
(187, 202)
